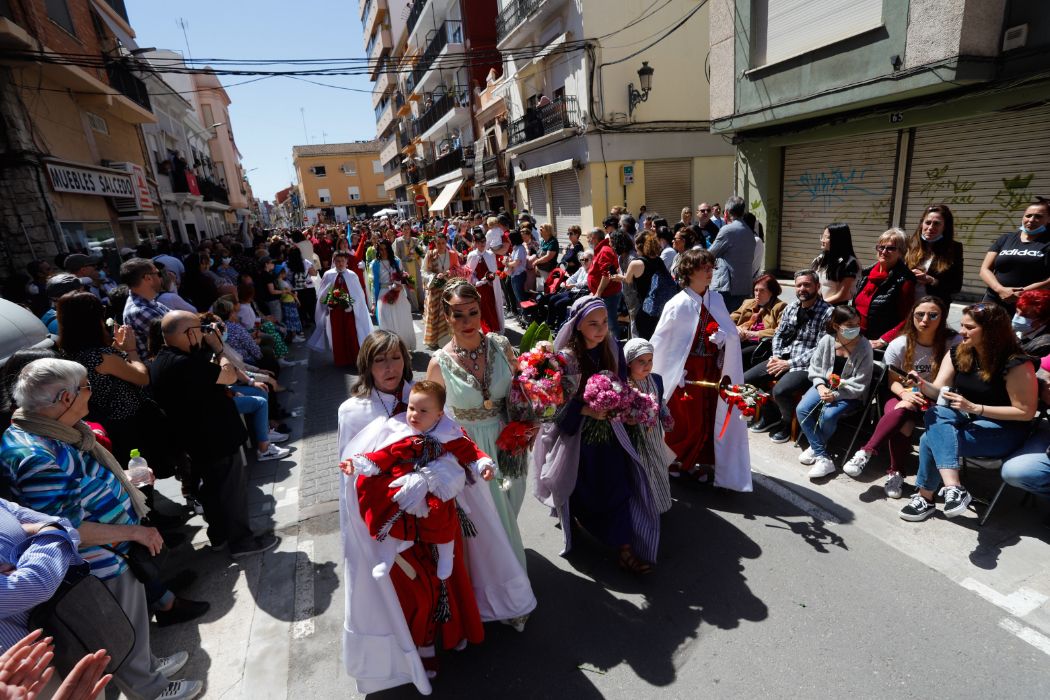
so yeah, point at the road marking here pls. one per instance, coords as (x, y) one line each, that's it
(303, 616)
(1026, 634)
(1019, 603)
(808, 507)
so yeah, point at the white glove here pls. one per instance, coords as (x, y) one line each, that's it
(444, 477)
(412, 494)
(361, 265)
(718, 338)
(363, 465)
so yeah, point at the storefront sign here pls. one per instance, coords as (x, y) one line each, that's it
(86, 179)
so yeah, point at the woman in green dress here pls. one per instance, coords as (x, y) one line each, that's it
(476, 369)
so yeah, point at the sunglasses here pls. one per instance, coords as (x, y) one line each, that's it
(932, 315)
(886, 248)
(704, 211)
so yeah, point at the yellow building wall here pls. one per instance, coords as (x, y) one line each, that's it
(337, 182)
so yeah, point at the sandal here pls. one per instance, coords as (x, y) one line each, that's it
(631, 563)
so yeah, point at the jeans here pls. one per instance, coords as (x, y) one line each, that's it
(517, 283)
(1029, 467)
(275, 309)
(258, 409)
(785, 393)
(951, 434)
(612, 304)
(819, 425)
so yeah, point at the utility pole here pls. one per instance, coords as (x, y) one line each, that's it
(302, 113)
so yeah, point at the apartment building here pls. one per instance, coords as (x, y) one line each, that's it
(74, 174)
(868, 111)
(429, 54)
(339, 181)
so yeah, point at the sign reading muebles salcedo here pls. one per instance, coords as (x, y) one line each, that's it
(77, 178)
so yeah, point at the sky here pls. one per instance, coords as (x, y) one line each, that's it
(266, 114)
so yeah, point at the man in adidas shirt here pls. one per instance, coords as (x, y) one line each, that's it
(1019, 261)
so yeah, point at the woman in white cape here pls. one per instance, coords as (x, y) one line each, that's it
(344, 350)
(378, 649)
(674, 341)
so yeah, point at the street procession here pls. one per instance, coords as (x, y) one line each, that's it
(583, 349)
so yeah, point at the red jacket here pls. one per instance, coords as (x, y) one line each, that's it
(606, 262)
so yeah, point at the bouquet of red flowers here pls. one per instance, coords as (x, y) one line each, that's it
(709, 345)
(539, 383)
(513, 443)
(338, 299)
(493, 275)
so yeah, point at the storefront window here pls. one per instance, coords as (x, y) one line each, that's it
(93, 237)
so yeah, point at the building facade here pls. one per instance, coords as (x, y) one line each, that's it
(868, 111)
(339, 181)
(577, 142)
(213, 105)
(74, 172)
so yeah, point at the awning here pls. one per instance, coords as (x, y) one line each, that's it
(544, 169)
(446, 196)
(117, 30)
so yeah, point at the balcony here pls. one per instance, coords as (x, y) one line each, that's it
(212, 191)
(494, 169)
(548, 119)
(379, 45)
(450, 32)
(438, 104)
(394, 181)
(453, 160)
(414, 14)
(124, 81)
(516, 12)
(376, 11)
(415, 173)
(384, 116)
(384, 83)
(391, 148)
(118, 7)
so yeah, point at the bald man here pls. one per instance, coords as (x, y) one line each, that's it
(191, 389)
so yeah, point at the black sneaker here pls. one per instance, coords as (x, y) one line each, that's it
(763, 425)
(956, 500)
(918, 509)
(780, 436)
(255, 545)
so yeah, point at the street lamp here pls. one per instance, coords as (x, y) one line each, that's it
(645, 81)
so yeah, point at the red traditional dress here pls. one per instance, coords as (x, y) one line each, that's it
(693, 407)
(489, 309)
(378, 469)
(356, 258)
(345, 343)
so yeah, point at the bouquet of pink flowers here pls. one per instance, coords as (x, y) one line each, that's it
(540, 382)
(603, 392)
(640, 409)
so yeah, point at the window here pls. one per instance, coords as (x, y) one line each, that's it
(324, 195)
(318, 170)
(209, 116)
(349, 168)
(377, 167)
(381, 192)
(58, 12)
(354, 192)
(788, 28)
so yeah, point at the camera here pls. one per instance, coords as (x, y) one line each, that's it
(207, 328)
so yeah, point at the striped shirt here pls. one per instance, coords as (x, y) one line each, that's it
(57, 479)
(139, 313)
(33, 566)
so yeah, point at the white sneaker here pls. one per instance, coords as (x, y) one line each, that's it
(807, 457)
(822, 467)
(297, 340)
(168, 666)
(272, 452)
(856, 464)
(275, 436)
(894, 485)
(181, 690)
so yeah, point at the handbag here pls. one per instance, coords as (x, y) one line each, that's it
(144, 566)
(83, 616)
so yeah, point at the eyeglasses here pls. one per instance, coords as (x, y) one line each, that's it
(886, 248)
(86, 387)
(704, 211)
(932, 315)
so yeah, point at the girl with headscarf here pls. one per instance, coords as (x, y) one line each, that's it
(599, 483)
(649, 440)
(696, 340)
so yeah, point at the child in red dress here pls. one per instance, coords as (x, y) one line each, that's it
(444, 465)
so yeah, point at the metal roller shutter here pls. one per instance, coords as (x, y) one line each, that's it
(848, 180)
(668, 187)
(565, 196)
(537, 188)
(986, 170)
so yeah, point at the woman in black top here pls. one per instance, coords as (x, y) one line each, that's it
(640, 273)
(836, 265)
(934, 256)
(118, 379)
(987, 395)
(1020, 260)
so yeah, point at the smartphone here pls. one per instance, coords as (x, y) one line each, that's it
(897, 370)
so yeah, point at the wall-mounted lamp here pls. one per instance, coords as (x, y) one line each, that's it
(645, 81)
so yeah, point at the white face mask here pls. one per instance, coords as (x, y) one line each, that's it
(850, 332)
(226, 261)
(932, 238)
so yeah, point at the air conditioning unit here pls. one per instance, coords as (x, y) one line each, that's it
(1015, 37)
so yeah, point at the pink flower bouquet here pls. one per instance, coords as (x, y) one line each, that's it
(540, 382)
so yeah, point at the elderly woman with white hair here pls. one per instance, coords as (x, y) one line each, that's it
(886, 290)
(51, 462)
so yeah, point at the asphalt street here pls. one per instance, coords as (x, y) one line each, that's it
(795, 590)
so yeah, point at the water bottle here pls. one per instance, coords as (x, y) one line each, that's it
(139, 472)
